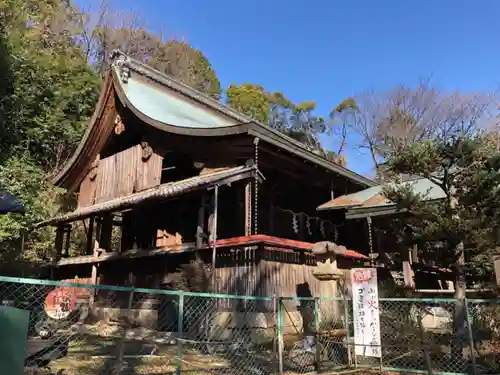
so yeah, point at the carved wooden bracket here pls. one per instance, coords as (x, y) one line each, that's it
(147, 151)
(94, 168)
(119, 125)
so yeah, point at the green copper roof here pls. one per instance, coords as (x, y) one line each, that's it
(168, 108)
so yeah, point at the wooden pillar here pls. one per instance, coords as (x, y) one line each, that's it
(58, 246)
(407, 259)
(94, 274)
(200, 227)
(106, 232)
(90, 235)
(67, 241)
(213, 230)
(414, 253)
(98, 230)
(407, 270)
(128, 229)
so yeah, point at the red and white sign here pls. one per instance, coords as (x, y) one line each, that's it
(366, 312)
(60, 302)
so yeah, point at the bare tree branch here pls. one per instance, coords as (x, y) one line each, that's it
(405, 114)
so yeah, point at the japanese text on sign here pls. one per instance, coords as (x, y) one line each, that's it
(366, 312)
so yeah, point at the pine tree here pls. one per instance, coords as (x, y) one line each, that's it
(467, 168)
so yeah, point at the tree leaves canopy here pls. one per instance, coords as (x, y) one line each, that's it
(48, 91)
(50, 60)
(467, 169)
(174, 57)
(297, 120)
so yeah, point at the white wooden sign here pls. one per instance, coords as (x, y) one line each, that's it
(366, 312)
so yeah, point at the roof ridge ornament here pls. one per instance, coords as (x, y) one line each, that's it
(122, 63)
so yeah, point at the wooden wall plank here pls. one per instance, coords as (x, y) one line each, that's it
(120, 175)
(86, 195)
(105, 179)
(148, 172)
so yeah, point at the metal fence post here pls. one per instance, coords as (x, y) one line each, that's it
(471, 337)
(423, 344)
(316, 329)
(275, 335)
(348, 331)
(121, 345)
(180, 331)
(280, 334)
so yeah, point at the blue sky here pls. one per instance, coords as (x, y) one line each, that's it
(327, 50)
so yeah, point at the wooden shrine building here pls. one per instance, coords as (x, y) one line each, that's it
(167, 177)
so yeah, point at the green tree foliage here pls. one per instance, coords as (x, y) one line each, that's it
(173, 57)
(466, 168)
(251, 100)
(342, 117)
(460, 230)
(48, 93)
(298, 121)
(20, 246)
(50, 60)
(440, 137)
(50, 90)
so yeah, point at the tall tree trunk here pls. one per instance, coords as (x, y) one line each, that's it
(460, 289)
(459, 312)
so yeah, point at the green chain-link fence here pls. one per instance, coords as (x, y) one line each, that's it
(85, 329)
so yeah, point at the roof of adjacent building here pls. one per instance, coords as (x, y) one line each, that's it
(373, 198)
(162, 102)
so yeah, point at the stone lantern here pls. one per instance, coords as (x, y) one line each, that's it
(327, 272)
(326, 261)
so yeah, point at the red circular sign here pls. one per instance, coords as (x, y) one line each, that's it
(60, 302)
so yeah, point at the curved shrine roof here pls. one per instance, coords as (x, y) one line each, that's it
(160, 101)
(166, 107)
